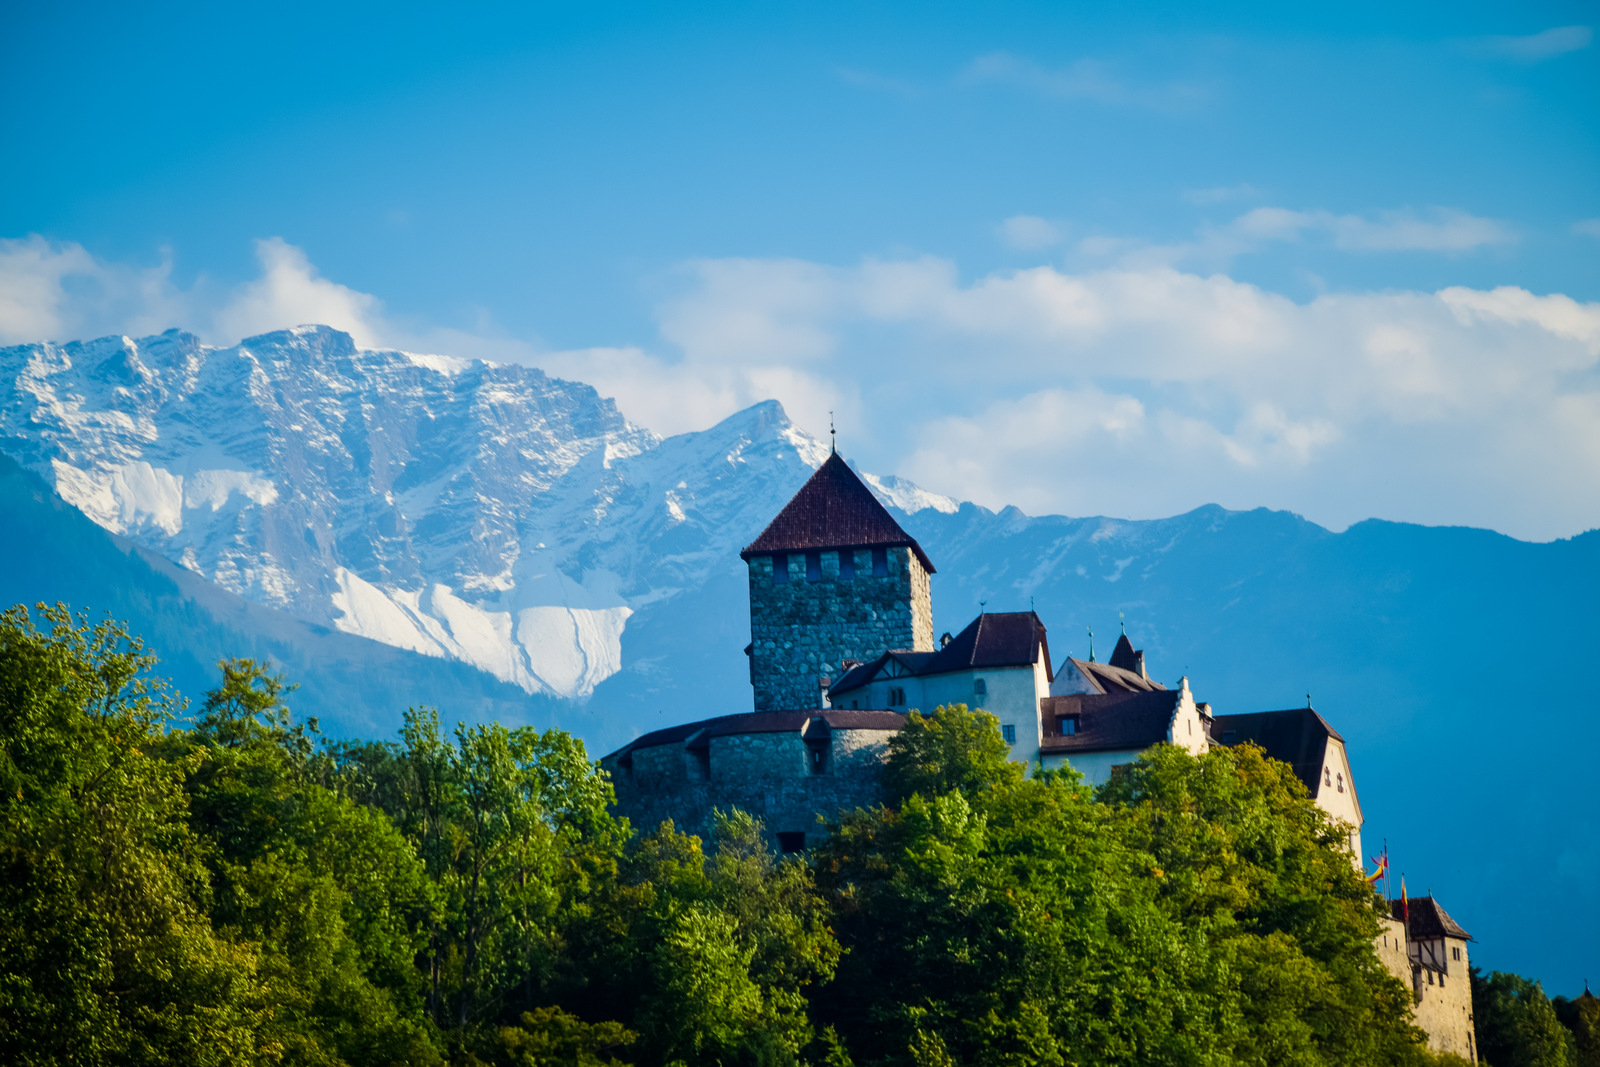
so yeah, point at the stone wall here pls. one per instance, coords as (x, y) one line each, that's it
(1444, 1002)
(803, 630)
(768, 775)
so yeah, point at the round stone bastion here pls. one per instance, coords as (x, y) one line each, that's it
(783, 767)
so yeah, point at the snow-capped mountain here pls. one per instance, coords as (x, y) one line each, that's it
(458, 508)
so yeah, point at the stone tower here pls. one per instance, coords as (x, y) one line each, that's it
(833, 577)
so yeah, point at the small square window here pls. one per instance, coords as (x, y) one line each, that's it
(813, 566)
(1009, 732)
(1067, 725)
(780, 568)
(847, 565)
(880, 563)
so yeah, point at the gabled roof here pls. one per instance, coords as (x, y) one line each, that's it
(1109, 721)
(1428, 920)
(1297, 736)
(1109, 679)
(991, 641)
(697, 734)
(834, 509)
(1125, 657)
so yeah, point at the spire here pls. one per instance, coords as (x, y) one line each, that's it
(833, 437)
(1091, 642)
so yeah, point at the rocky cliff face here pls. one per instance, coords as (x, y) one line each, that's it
(457, 508)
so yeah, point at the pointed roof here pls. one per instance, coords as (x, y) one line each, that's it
(1428, 919)
(833, 510)
(992, 640)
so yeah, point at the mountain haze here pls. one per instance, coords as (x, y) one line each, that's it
(396, 529)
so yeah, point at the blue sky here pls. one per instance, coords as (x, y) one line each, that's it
(1113, 259)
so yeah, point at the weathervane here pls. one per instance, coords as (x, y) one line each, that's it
(1123, 622)
(1091, 642)
(833, 435)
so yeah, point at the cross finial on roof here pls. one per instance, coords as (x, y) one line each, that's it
(1091, 642)
(1123, 622)
(833, 436)
(1308, 701)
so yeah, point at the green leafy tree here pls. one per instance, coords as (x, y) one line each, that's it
(106, 954)
(952, 749)
(1203, 911)
(550, 1037)
(1517, 1024)
(1581, 1015)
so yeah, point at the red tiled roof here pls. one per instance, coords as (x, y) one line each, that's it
(834, 509)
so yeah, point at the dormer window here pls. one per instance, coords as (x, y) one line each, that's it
(980, 687)
(1067, 725)
(780, 568)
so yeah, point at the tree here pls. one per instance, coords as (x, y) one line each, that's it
(1517, 1024)
(952, 749)
(106, 949)
(1581, 1015)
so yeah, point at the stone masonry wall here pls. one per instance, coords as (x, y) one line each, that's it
(802, 630)
(765, 774)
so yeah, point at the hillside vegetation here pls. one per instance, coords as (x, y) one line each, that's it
(219, 885)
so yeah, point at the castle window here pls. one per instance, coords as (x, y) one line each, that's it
(780, 567)
(791, 841)
(847, 565)
(980, 687)
(1327, 776)
(813, 566)
(1228, 736)
(880, 563)
(1067, 725)
(897, 696)
(1430, 977)
(1009, 732)
(1455, 953)
(1341, 783)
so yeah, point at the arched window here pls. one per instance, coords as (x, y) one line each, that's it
(980, 687)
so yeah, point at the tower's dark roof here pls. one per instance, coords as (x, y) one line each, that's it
(1109, 722)
(994, 639)
(1428, 919)
(1124, 656)
(833, 510)
(1298, 737)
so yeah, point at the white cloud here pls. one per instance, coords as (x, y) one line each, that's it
(1083, 79)
(1028, 232)
(1140, 390)
(1589, 227)
(1539, 46)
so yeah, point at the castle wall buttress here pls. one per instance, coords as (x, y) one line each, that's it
(804, 628)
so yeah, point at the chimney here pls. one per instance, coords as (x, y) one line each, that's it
(823, 684)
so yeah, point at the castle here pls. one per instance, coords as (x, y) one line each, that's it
(842, 647)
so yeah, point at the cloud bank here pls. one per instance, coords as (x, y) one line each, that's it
(1136, 389)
